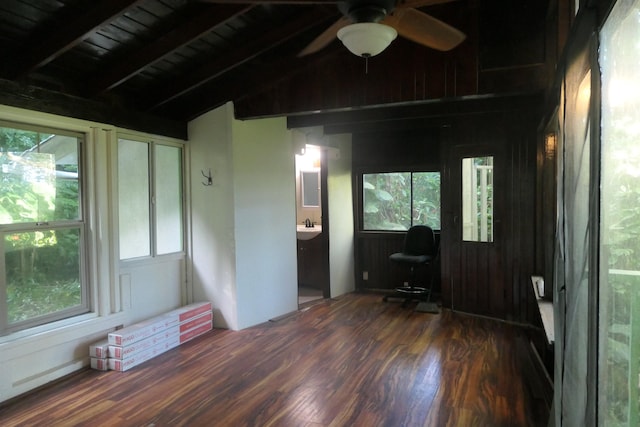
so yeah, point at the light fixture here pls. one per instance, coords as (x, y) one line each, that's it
(367, 39)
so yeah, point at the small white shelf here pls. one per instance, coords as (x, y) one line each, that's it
(545, 307)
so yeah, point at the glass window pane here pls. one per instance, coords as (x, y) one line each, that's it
(42, 273)
(133, 199)
(39, 177)
(477, 199)
(168, 184)
(386, 201)
(619, 281)
(426, 199)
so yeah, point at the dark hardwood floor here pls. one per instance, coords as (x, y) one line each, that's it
(354, 361)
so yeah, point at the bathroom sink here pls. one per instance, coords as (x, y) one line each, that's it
(306, 233)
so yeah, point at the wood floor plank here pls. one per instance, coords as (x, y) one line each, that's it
(354, 361)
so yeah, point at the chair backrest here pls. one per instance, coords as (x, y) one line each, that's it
(420, 240)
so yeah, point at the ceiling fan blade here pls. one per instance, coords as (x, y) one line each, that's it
(420, 3)
(325, 38)
(424, 29)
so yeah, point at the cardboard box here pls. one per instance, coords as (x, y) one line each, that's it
(142, 330)
(121, 352)
(192, 310)
(100, 364)
(134, 359)
(99, 349)
(142, 356)
(196, 332)
(196, 321)
(149, 327)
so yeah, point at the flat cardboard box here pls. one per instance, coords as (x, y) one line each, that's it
(142, 356)
(196, 332)
(100, 364)
(121, 352)
(196, 321)
(192, 310)
(99, 349)
(144, 329)
(134, 359)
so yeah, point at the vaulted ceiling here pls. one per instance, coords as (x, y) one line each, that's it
(156, 64)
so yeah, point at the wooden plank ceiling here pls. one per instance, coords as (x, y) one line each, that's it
(156, 64)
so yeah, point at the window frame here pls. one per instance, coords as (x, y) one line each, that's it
(81, 223)
(152, 143)
(359, 177)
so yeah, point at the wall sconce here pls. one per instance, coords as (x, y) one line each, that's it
(550, 146)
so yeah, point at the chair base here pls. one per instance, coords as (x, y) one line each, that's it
(410, 293)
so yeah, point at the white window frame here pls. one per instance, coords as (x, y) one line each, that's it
(153, 143)
(80, 223)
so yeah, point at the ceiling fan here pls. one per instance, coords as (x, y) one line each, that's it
(367, 27)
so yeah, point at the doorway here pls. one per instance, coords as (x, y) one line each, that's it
(476, 282)
(311, 225)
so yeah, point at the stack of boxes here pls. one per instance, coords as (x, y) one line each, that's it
(130, 346)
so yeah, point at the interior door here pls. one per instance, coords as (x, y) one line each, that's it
(474, 276)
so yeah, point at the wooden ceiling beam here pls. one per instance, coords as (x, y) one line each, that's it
(54, 40)
(195, 25)
(236, 86)
(226, 63)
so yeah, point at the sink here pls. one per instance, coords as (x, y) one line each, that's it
(305, 233)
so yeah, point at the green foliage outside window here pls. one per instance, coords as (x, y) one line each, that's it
(398, 200)
(42, 261)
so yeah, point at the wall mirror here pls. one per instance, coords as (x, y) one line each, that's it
(310, 186)
(477, 199)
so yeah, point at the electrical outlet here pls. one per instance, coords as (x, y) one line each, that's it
(405, 284)
(365, 275)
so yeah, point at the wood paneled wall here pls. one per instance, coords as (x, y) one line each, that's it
(505, 52)
(492, 280)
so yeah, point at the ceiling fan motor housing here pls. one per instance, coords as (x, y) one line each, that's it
(367, 10)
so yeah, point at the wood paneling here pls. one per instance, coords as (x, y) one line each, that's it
(494, 279)
(355, 361)
(488, 279)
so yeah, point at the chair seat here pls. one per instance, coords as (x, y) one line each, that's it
(412, 290)
(409, 259)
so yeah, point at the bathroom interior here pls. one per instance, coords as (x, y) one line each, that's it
(309, 224)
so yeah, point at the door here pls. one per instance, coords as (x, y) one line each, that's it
(474, 279)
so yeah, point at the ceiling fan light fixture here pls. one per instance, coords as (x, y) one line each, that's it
(367, 39)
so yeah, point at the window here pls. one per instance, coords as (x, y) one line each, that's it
(477, 199)
(150, 198)
(619, 257)
(41, 226)
(399, 200)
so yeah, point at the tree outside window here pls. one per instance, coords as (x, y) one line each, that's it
(41, 227)
(395, 201)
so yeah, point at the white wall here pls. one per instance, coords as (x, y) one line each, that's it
(243, 227)
(264, 189)
(341, 229)
(213, 269)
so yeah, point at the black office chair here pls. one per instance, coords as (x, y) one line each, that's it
(419, 250)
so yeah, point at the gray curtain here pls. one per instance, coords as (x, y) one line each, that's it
(571, 290)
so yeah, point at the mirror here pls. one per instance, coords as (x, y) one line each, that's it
(310, 189)
(477, 199)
